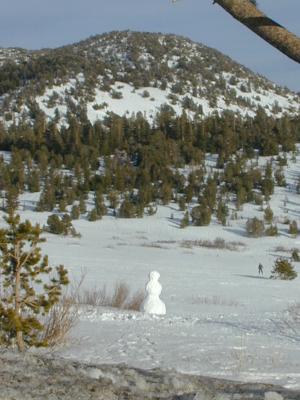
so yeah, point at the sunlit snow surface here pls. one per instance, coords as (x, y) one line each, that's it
(222, 318)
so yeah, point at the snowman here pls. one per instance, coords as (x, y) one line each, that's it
(152, 304)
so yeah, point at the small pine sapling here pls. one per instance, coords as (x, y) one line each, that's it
(182, 203)
(268, 215)
(75, 212)
(24, 297)
(293, 228)
(283, 269)
(295, 255)
(222, 212)
(185, 220)
(255, 227)
(272, 230)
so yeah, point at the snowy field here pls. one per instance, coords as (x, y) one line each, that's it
(222, 320)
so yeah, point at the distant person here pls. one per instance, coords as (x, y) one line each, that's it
(260, 269)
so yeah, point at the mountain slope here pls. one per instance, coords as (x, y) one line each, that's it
(128, 72)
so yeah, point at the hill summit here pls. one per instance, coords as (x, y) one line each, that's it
(129, 72)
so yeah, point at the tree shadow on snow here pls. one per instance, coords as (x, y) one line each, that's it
(175, 222)
(237, 231)
(280, 255)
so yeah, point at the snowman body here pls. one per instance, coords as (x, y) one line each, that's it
(152, 304)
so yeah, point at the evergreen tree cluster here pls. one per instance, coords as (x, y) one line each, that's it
(130, 165)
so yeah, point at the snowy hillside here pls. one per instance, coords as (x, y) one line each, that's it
(13, 55)
(203, 201)
(222, 320)
(131, 72)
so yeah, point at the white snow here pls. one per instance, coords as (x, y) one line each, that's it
(223, 319)
(273, 396)
(132, 101)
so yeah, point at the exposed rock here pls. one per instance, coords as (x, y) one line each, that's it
(29, 377)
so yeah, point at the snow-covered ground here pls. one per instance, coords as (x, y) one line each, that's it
(222, 319)
(132, 101)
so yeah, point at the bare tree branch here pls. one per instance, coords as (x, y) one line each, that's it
(278, 36)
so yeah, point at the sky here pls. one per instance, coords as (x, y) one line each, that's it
(35, 24)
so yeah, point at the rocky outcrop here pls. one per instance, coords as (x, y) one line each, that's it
(29, 377)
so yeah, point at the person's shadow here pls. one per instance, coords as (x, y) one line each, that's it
(253, 276)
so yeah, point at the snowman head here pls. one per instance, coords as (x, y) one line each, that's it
(154, 276)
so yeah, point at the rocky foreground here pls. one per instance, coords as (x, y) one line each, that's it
(34, 377)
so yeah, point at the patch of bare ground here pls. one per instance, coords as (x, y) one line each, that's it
(283, 249)
(33, 377)
(217, 243)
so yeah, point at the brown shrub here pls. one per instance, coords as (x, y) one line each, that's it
(120, 295)
(217, 243)
(60, 320)
(120, 298)
(134, 303)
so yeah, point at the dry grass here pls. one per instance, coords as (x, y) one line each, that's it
(289, 325)
(120, 295)
(60, 320)
(282, 249)
(64, 315)
(94, 297)
(120, 298)
(218, 243)
(216, 301)
(154, 245)
(166, 241)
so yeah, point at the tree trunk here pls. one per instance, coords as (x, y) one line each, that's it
(275, 34)
(20, 340)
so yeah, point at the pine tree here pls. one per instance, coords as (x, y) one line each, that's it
(267, 185)
(11, 199)
(185, 220)
(99, 204)
(62, 205)
(283, 269)
(268, 215)
(75, 212)
(241, 196)
(222, 212)
(272, 230)
(166, 193)
(295, 255)
(22, 304)
(201, 215)
(60, 225)
(255, 227)
(210, 192)
(93, 215)
(182, 203)
(82, 205)
(293, 228)
(47, 199)
(280, 177)
(127, 209)
(113, 199)
(33, 181)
